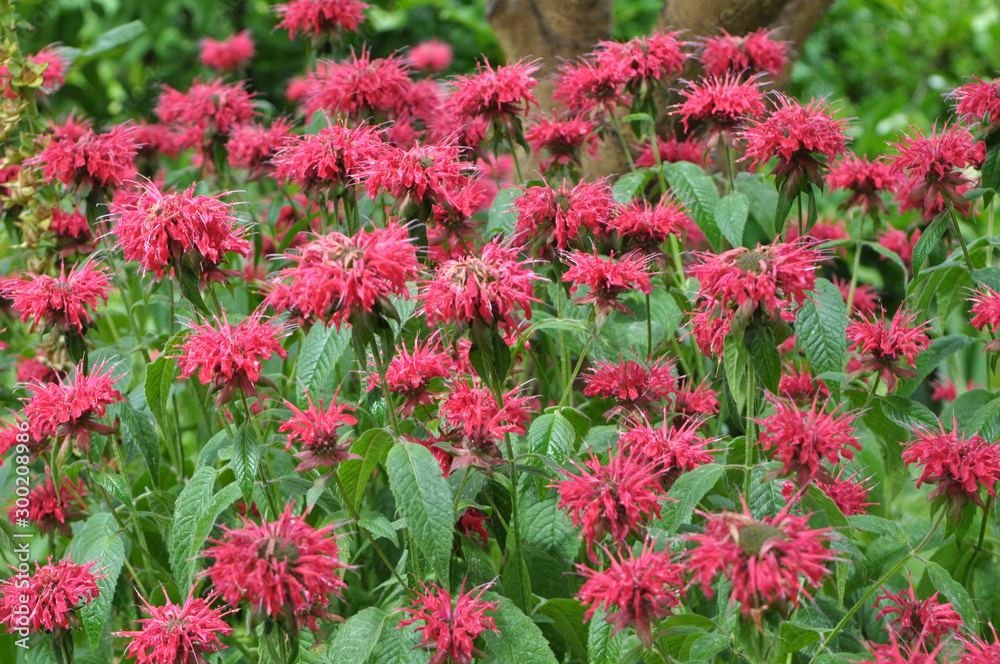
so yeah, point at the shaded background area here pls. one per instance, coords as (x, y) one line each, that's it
(888, 61)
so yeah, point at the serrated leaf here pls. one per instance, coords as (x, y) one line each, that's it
(139, 431)
(930, 358)
(793, 637)
(547, 527)
(552, 435)
(519, 639)
(928, 241)
(630, 185)
(246, 459)
(821, 328)
(693, 186)
(191, 503)
(320, 353)
(955, 593)
(989, 277)
(502, 216)
(602, 647)
(425, 501)
(355, 473)
(204, 522)
(99, 541)
(731, 214)
(398, 646)
(907, 413)
(762, 197)
(879, 526)
(114, 484)
(688, 490)
(567, 619)
(160, 376)
(355, 641)
(764, 356)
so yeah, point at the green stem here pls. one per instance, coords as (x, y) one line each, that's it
(878, 584)
(750, 434)
(461, 487)
(243, 649)
(961, 238)
(265, 484)
(854, 272)
(513, 154)
(381, 365)
(979, 545)
(871, 392)
(621, 137)
(729, 169)
(568, 391)
(649, 328)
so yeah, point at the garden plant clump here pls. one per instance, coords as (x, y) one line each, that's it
(399, 376)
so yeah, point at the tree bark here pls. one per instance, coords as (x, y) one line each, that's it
(701, 18)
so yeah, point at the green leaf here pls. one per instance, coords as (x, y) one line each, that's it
(398, 646)
(693, 186)
(764, 356)
(552, 435)
(991, 171)
(793, 637)
(519, 640)
(986, 421)
(424, 499)
(160, 375)
(907, 413)
(567, 619)
(781, 210)
(355, 473)
(735, 360)
(731, 214)
(547, 527)
(246, 459)
(204, 522)
(191, 289)
(931, 357)
(879, 526)
(630, 185)
(113, 38)
(114, 484)
(355, 641)
(688, 490)
(821, 328)
(99, 541)
(503, 214)
(928, 241)
(955, 593)
(602, 646)
(320, 353)
(989, 277)
(762, 197)
(192, 502)
(139, 431)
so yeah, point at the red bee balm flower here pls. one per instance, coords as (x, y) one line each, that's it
(230, 356)
(332, 158)
(918, 622)
(610, 499)
(647, 226)
(585, 85)
(229, 54)
(986, 307)
(979, 102)
(88, 159)
(51, 597)
(933, 167)
(850, 496)
(642, 588)
(643, 60)
(801, 440)
(633, 386)
(49, 511)
(882, 345)
(178, 634)
(315, 18)
(672, 150)
(865, 180)
(205, 109)
(473, 411)
(765, 559)
(410, 373)
(432, 55)
(799, 136)
(253, 146)
(318, 429)
(157, 229)
(563, 140)
(607, 280)
(359, 86)
(451, 627)
(897, 241)
(545, 213)
(284, 568)
(675, 449)
(802, 388)
(495, 95)
(488, 288)
(336, 278)
(59, 302)
(421, 175)
(66, 409)
(962, 466)
(758, 51)
(720, 102)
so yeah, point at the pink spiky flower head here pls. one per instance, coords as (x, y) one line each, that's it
(206, 110)
(898, 241)
(986, 314)
(757, 51)
(635, 590)
(253, 146)
(933, 167)
(411, 372)
(317, 18)
(52, 597)
(417, 177)
(319, 432)
(229, 54)
(672, 150)
(545, 213)
(961, 465)
(62, 302)
(865, 179)
(882, 345)
(674, 448)
(802, 439)
(917, 622)
(57, 63)
(771, 562)
(563, 140)
(230, 357)
(607, 280)
(644, 61)
(612, 498)
(487, 288)
(979, 102)
(337, 278)
(51, 511)
(359, 86)
(719, 103)
(633, 386)
(331, 159)
(496, 96)
(474, 416)
(592, 86)
(178, 633)
(88, 159)
(849, 495)
(801, 387)
(67, 409)
(161, 230)
(450, 626)
(978, 650)
(284, 569)
(432, 55)
(694, 402)
(801, 137)
(647, 226)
